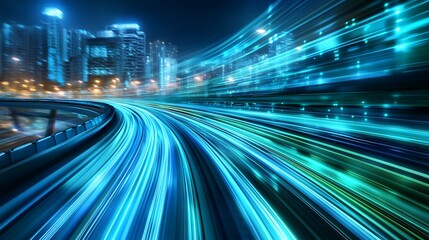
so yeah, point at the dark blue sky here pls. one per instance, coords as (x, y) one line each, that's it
(190, 24)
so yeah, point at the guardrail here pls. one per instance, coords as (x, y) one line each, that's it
(22, 152)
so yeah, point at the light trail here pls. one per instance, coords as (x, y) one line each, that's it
(297, 44)
(322, 155)
(188, 171)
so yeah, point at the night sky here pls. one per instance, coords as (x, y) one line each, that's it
(190, 24)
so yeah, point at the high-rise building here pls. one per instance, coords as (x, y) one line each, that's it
(117, 53)
(54, 44)
(162, 65)
(76, 65)
(105, 58)
(133, 43)
(21, 48)
(280, 43)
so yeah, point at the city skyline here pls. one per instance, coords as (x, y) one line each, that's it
(51, 54)
(52, 11)
(309, 121)
(189, 24)
(273, 53)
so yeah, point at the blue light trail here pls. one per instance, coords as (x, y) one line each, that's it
(312, 43)
(305, 124)
(183, 171)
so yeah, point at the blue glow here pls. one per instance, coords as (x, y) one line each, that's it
(99, 51)
(295, 130)
(53, 12)
(126, 26)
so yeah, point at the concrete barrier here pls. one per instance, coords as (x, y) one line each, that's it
(45, 143)
(4, 159)
(60, 137)
(71, 132)
(88, 125)
(22, 152)
(80, 129)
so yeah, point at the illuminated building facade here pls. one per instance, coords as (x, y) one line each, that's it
(280, 46)
(55, 54)
(76, 65)
(162, 65)
(21, 52)
(117, 53)
(133, 44)
(105, 58)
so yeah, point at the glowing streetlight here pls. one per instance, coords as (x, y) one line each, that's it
(15, 59)
(198, 78)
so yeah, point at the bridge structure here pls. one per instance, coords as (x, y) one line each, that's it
(98, 115)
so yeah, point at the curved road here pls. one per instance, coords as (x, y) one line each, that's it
(182, 172)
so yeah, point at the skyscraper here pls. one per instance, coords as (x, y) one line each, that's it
(162, 65)
(105, 58)
(21, 52)
(280, 49)
(54, 44)
(76, 65)
(133, 43)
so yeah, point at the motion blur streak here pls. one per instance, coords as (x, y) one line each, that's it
(296, 44)
(192, 172)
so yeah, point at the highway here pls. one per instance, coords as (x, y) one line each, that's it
(175, 171)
